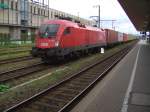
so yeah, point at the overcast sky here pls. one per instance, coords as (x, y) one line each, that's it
(110, 10)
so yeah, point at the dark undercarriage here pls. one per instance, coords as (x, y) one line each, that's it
(53, 54)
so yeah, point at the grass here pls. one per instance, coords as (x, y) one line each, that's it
(8, 52)
(4, 88)
(17, 45)
(14, 49)
(17, 55)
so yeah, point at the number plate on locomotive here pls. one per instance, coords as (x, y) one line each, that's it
(44, 44)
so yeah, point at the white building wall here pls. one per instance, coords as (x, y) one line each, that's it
(4, 29)
(15, 33)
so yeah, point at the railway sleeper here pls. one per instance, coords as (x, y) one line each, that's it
(53, 101)
(82, 84)
(62, 96)
(75, 90)
(42, 107)
(77, 87)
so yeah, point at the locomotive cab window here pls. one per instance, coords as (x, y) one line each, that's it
(67, 31)
(50, 30)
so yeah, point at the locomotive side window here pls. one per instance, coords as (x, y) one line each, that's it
(67, 31)
(49, 30)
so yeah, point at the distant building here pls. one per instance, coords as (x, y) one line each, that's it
(19, 17)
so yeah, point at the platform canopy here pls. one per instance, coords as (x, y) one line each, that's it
(139, 13)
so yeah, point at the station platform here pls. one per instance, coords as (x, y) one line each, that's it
(126, 88)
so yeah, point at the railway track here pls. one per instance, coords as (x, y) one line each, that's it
(15, 60)
(17, 73)
(15, 48)
(65, 94)
(13, 52)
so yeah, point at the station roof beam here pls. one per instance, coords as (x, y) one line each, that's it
(139, 13)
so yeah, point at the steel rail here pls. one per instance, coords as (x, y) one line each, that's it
(6, 61)
(12, 74)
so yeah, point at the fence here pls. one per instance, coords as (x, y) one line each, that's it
(4, 39)
(7, 41)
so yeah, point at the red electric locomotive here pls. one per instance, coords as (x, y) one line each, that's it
(60, 38)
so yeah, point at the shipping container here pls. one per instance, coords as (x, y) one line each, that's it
(125, 37)
(120, 37)
(111, 36)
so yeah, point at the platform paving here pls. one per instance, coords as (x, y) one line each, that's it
(126, 88)
(139, 100)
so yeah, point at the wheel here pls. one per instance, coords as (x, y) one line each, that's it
(46, 60)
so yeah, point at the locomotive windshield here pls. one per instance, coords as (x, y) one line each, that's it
(49, 30)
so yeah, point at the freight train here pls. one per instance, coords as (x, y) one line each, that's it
(58, 39)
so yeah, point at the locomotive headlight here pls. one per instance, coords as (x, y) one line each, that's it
(56, 44)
